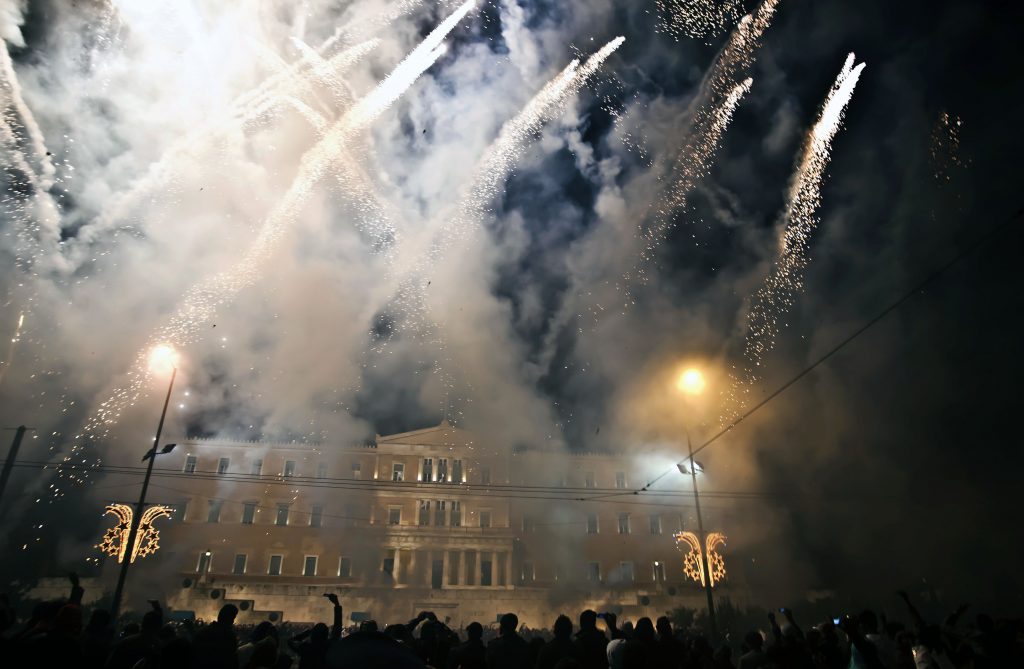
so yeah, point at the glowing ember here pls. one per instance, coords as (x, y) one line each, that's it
(700, 19)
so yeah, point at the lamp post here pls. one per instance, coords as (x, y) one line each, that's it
(160, 359)
(692, 382)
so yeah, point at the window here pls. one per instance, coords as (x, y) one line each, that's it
(178, 511)
(321, 470)
(485, 569)
(442, 470)
(289, 468)
(456, 471)
(620, 479)
(309, 566)
(439, 513)
(659, 572)
(357, 471)
(592, 523)
(424, 518)
(623, 523)
(485, 475)
(213, 516)
(239, 566)
(388, 565)
(588, 479)
(398, 472)
(626, 571)
(316, 516)
(257, 468)
(190, 464)
(345, 567)
(456, 514)
(222, 465)
(527, 524)
(248, 513)
(203, 566)
(485, 519)
(394, 515)
(428, 469)
(274, 568)
(655, 523)
(594, 572)
(526, 574)
(282, 515)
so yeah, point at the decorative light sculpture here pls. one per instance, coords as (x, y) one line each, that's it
(692, 567)
(147, 539)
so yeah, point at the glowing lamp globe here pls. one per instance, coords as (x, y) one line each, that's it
(691, 382)
(162, 359)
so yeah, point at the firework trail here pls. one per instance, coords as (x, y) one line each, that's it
(785, 280)
(202, 300)
(490, 174)
(700, 19)
(29, 170)
(721, 92)
(408, 310)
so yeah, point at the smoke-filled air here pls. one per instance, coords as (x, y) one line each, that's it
(535, 231)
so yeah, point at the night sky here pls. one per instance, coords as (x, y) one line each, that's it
(894, 464)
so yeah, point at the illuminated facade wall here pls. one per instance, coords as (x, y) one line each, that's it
(285, 523)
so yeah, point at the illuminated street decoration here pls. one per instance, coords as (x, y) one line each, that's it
(692, 567)
(147, 539)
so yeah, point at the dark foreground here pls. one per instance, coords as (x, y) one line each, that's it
(61, 634)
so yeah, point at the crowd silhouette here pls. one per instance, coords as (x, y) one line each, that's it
(57, 635)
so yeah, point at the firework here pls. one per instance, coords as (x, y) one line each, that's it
(712, 110)
(202, 300)
(284, 88)
(785, 280)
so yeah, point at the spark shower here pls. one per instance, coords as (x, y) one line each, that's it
(171, 159)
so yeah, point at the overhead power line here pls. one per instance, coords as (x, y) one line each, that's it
(900, 301)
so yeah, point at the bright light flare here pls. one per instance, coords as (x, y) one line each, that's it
(163, 359)
(691, 382)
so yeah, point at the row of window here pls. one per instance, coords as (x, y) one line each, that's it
(431, 470)
(623, 525)
(439, 513)
(624, 573)
(274, 565)
(255, 467)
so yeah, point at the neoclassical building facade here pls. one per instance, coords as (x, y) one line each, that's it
(431, 519)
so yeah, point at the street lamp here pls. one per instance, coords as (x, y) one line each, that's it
(692, 382)
(162, 358)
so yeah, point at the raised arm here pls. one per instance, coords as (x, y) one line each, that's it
(613, 630)
(919, 622)
(866, 649)
(792, 621)
(776, 630)
(76, 590)
(336, 624)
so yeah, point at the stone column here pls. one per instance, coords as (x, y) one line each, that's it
(508, 570)
(444, 573)
(478, 578)
(413, 564)
(462, 568)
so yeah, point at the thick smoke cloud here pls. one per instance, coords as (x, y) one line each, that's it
(524, 333)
